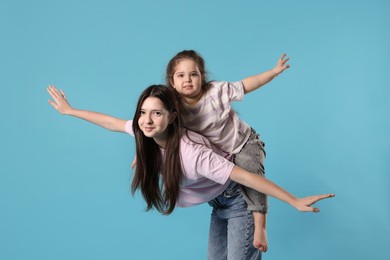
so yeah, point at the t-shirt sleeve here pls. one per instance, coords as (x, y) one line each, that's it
(233, 90)
(129, 127)
(202, 161)
(217, 169)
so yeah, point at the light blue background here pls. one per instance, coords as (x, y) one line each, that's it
(64, 183)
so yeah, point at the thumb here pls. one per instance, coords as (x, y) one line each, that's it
(315, 210)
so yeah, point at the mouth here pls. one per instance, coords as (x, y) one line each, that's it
(188, 86)
(148, 129)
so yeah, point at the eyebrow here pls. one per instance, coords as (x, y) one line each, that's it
(153, 110)
(183, 72)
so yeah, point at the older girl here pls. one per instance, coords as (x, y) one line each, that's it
(177, 167)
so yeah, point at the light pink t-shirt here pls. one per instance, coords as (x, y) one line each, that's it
(206, 169)
(213, 117)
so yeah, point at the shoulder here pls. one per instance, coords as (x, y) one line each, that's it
(221, 84)
(225, 87)
(194, 144)
(232, 90)
(217, 84)
(189, 137)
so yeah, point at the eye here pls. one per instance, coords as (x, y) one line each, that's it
(194, 74)
(157, 113)
(180, 75)
(141, 113)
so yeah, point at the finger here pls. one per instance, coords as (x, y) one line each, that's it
(55, 91)
(54, 94)
(314, 199)
(310, 209)
(52, 104)
(63, 94)
(52, 88)
(57, 95)
(284, 64)
(324, 196)
(51, 92)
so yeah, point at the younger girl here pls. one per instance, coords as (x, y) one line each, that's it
(177, 167)
(207, 111)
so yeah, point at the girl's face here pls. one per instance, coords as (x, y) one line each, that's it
(187, 80)
(154, 120)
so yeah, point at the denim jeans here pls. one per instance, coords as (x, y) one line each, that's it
(231, 227)
(251, 158)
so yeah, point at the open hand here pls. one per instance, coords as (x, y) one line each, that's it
(281, 65)
(60, 102)
(304, 204)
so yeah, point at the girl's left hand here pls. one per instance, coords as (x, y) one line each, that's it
(60, 102)
(281, 65)
(304, 204)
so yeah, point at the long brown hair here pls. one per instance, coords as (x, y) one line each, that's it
(156, 176)
(183, 55)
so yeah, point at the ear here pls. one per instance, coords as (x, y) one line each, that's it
(172, 117)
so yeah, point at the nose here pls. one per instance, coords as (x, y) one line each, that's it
(188, 78)
(148, 119)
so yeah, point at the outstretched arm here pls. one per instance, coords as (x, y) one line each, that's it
(254, 82)
(61, 104)
(265, 186)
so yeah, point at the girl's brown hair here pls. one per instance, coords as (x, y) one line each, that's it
(156, 176)
(186, 54)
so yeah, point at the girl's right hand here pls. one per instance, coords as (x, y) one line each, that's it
(60, 102)
(304, 204)
(134, 163)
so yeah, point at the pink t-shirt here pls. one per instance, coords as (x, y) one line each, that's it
(206, 169)
(213, 117)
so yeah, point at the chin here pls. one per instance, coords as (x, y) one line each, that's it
(148, 135)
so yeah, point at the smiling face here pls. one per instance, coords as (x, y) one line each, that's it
(187, 80)
(154, 119)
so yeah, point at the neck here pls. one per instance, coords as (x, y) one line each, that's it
(192, 100)
(162, 142)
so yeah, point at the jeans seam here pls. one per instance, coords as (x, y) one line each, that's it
(247, 229)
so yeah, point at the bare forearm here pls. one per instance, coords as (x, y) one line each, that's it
(261, 184)
(100, 119)
(254, 82)
(61, 104)
(265, 186)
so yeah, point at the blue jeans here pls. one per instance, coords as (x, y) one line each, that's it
(231, 227)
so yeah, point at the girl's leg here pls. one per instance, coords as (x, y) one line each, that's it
(240, 237)
(231, 228)
(260, 240)
(251, 158)
(217, 248)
